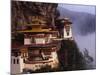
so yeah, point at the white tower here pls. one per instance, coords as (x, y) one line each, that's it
(67, 29)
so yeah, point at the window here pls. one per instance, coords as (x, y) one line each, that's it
(27, 41)
(67, 33)
(67, 28)
(40, 40)
(13, 61)
(17, 61)
(24, 54)
(33, 40)
(24, 60)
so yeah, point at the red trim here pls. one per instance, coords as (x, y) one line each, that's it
(35, 62)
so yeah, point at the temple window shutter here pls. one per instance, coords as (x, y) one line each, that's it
(13, 61)
(67, 33)
(17, 61)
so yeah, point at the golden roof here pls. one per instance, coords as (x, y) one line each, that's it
(37, 28)
(34, 24)
(36, 31)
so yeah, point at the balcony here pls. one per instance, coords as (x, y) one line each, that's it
(39, 61)
(46, 45)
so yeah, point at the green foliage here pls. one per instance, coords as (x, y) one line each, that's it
(70, 57)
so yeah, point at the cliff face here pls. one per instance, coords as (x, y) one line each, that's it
(21, 10)
(70, 57)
